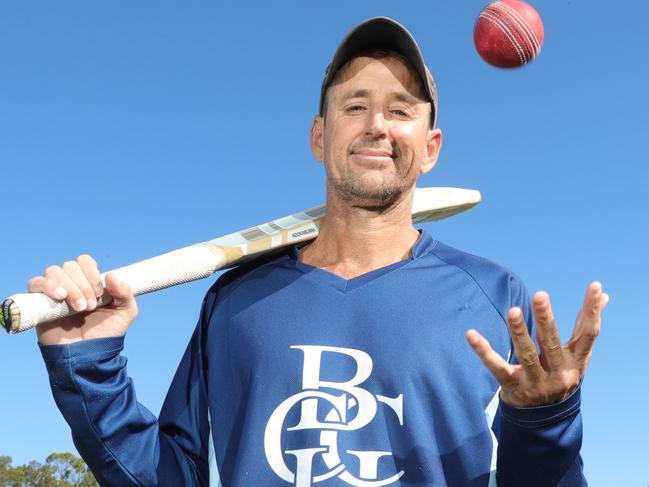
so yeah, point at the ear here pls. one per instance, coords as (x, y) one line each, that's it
(433, 146)
(317, 138)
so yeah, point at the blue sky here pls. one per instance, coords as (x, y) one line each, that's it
(128, 129)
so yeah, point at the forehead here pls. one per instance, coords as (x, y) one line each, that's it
(366, 72)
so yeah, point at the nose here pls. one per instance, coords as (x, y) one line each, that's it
(376, 127)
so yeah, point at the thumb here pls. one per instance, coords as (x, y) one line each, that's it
(120, 292)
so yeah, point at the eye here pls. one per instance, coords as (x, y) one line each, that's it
(355, 108)
(400, 112)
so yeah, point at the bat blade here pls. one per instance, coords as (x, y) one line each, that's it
(21, 312)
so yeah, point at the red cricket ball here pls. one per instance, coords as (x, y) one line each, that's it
(508, 33)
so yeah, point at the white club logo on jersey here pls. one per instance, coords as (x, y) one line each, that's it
(337, 420)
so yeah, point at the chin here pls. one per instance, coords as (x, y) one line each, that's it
(371, 197)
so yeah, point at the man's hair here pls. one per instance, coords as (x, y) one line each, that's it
(374, 53)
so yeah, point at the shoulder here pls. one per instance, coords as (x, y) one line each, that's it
(471, 264)
(232, 277)
(249, 279)
(501, 285)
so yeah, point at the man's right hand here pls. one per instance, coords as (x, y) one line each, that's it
(78, 283)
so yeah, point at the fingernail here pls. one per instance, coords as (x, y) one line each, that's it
(80, 304)
(60, 292)
(99, 290)
(472, 337)
(540, 298)
(517, 315)
(92, 303)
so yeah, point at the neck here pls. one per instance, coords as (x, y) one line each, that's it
(353, 241)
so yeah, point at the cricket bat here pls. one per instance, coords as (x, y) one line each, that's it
(21, 312)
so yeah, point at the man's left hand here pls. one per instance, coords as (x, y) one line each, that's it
(553, 374)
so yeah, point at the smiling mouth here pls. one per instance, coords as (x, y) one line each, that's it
(372, 161)
(373, 155)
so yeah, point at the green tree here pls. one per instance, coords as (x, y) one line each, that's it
(59, 470)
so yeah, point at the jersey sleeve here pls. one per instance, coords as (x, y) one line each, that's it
(538, 446)
(123, 443)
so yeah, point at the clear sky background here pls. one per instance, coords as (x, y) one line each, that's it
(128, 129)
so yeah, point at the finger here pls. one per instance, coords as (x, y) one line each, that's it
(91, 270)
(547, 333)
(501, 370)
(49, 287)
(604, 300)
(76, 274)
(74, 296)
(589, 320)
(524, 347)
(120, 291)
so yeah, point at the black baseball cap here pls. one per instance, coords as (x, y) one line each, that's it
(382, 33)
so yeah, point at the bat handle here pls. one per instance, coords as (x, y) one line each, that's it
(21, 312)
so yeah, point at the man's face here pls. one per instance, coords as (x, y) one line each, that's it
(375, 138)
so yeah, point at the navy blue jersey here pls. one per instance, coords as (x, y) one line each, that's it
(295, 376)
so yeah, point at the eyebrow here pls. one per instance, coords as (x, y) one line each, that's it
(406, 98)
(398, 95)
(354, 94)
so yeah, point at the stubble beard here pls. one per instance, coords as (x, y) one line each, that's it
(359, 194)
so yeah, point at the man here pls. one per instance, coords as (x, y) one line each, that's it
(343, 362)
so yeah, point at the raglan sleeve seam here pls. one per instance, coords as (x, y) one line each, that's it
(475, 281)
